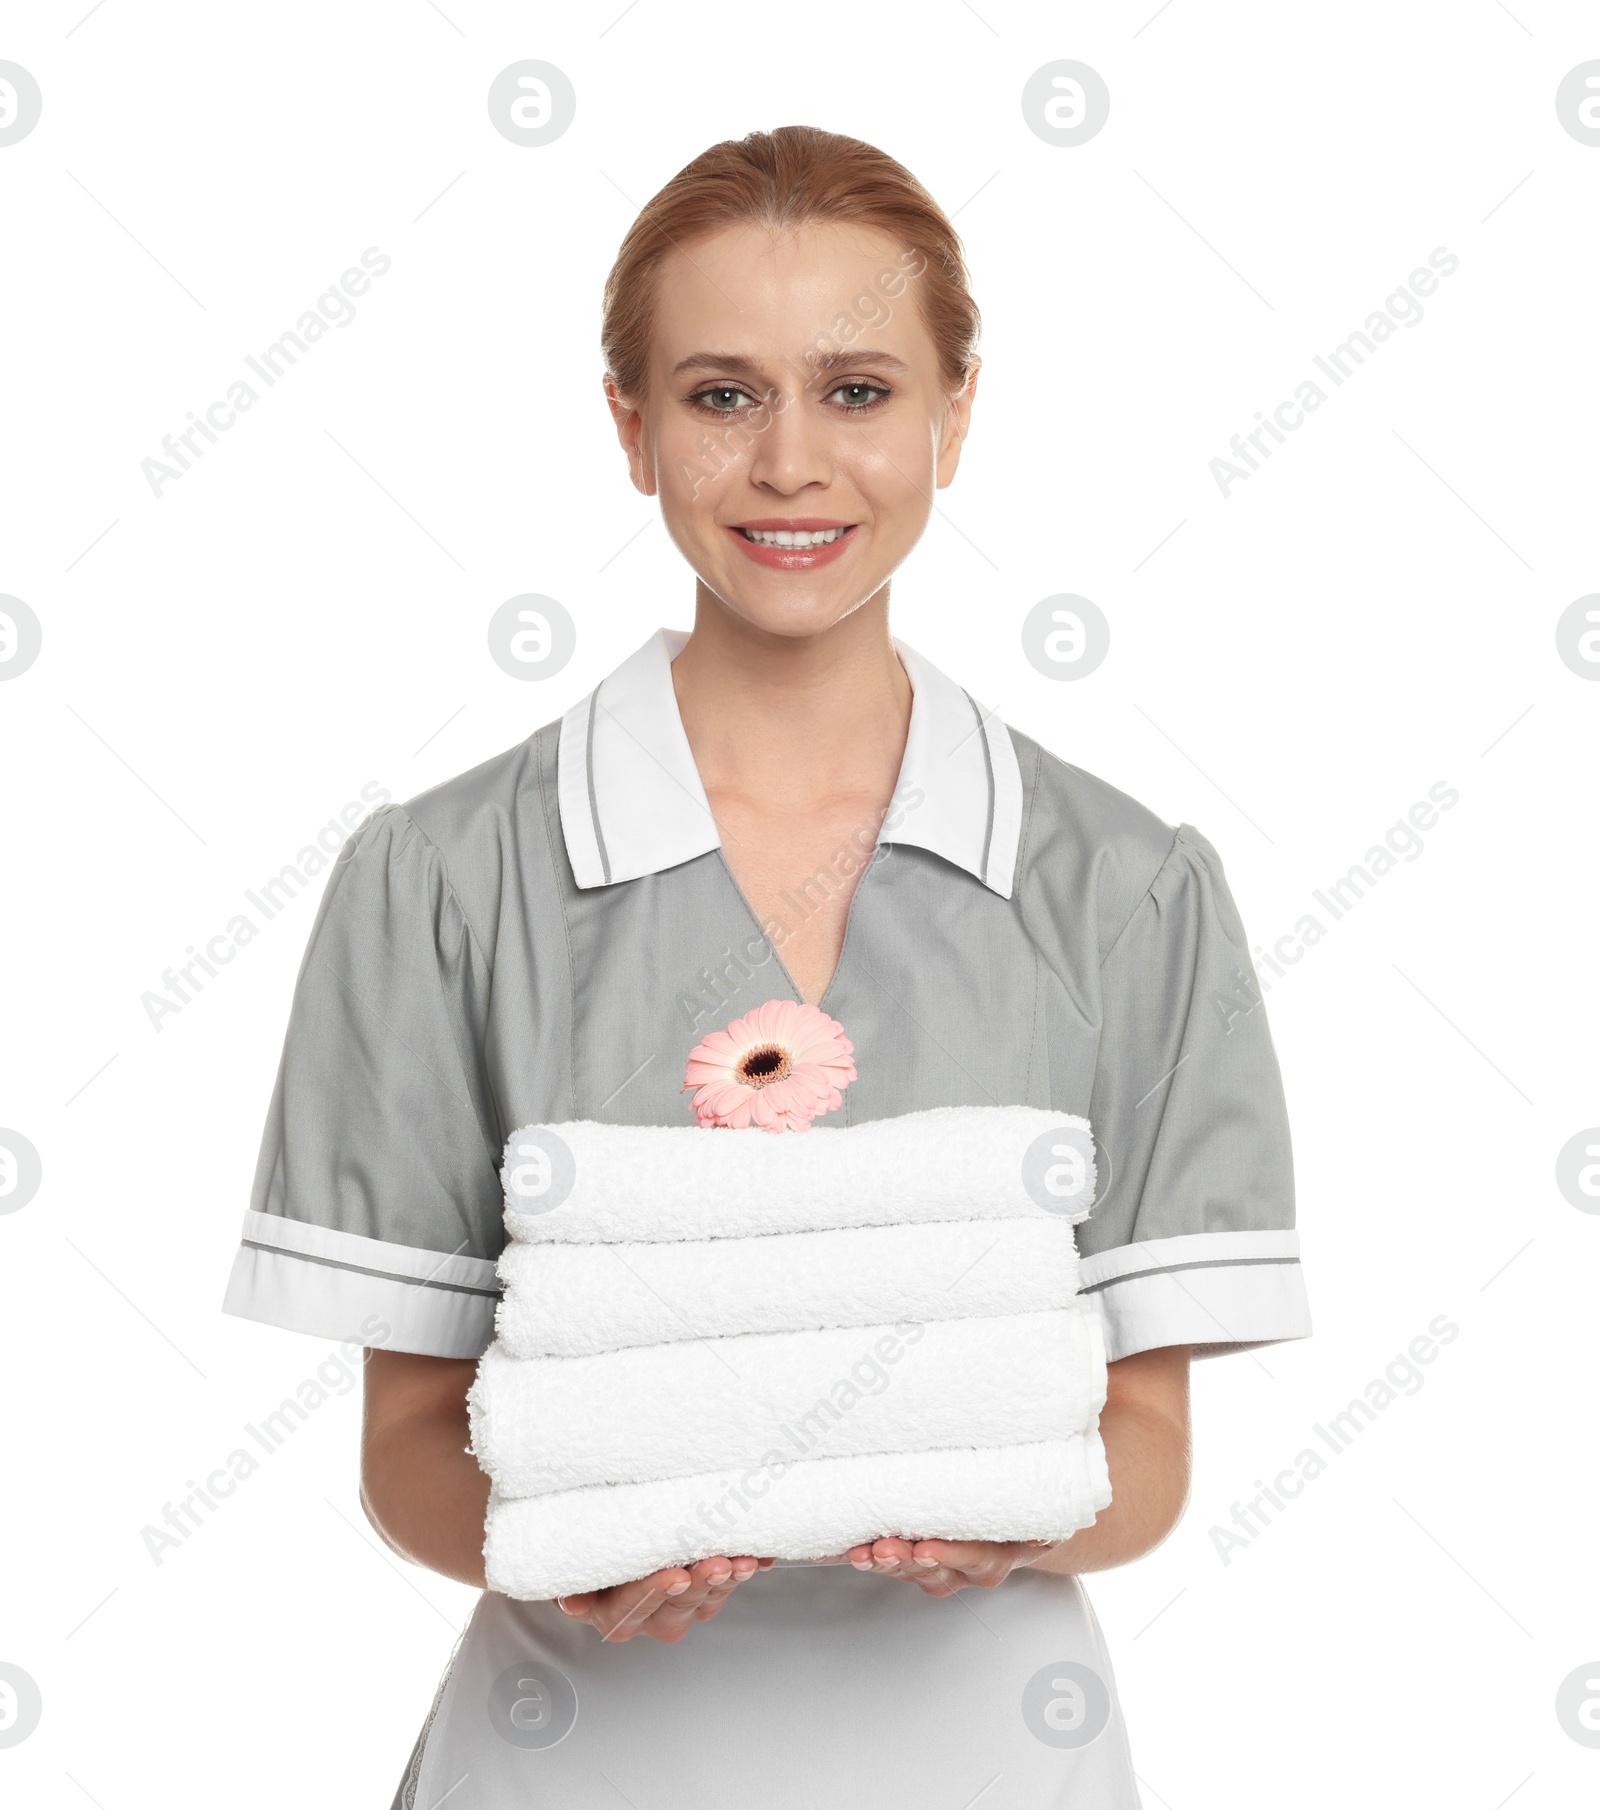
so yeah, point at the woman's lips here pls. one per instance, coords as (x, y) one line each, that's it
(793, 559)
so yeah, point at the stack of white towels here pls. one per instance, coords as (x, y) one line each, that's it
(724, 1341)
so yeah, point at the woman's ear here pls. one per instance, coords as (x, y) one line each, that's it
(957, 419)
(630, 432)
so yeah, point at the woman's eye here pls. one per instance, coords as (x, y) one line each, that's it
(721, 398)
(857, 396)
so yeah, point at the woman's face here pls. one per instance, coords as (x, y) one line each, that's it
(796, 424)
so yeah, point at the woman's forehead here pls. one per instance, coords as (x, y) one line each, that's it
(756, 289)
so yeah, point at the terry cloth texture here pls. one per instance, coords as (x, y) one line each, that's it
(649, 1183)
(572, 1300)
(733, 1341)
(654, 1412)
(546, 1546)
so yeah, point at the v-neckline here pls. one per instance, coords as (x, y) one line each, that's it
(821, 1003)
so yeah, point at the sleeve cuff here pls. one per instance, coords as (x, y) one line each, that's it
(1216, 1292)
(335, 1285)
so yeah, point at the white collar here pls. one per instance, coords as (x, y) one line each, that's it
(632, 802)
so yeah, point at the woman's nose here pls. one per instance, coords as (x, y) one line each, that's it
(793, 448)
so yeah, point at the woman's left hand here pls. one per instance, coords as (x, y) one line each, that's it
(941, 1567)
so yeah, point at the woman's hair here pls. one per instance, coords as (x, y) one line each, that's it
(787, 179)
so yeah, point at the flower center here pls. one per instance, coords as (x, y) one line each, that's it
(763, 1065)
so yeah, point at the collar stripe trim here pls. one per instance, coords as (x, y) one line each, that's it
(988, 773)
(594, 798)
(632, 803)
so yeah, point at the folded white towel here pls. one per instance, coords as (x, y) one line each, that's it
(634, 1416)
(642, 1182)
(571, 1300)
(688, 1310)
(589, 1539)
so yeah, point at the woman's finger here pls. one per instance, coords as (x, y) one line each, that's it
(620, 1616)
(665, 1604)
(619, 1612)
(940, 1581)
(711, 1582)
(958, 1555)
(893, 1552)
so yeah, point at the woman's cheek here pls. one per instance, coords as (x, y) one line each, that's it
(897, 461)
(694, 465)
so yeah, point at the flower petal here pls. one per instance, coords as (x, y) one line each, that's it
(815, 1051)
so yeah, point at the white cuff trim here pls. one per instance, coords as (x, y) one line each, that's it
(331, 1284)
(1215, 1291)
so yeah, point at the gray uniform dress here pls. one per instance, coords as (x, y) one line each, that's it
(545, 937)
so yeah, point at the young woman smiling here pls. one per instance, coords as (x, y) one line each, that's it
(791, 365)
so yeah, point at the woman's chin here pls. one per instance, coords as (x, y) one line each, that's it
(789, 608)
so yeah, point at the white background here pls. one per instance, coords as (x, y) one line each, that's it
(226, 665)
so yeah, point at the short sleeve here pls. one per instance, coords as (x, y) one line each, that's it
(376, 1212)
(1192, 1240)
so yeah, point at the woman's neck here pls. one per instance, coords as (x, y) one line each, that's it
(792, 720)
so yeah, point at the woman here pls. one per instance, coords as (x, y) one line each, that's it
(787, 802)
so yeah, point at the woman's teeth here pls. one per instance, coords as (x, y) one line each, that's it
(784, 537)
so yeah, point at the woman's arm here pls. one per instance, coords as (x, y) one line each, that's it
(424, 1492)
(1145, 1426)
(421, 1487)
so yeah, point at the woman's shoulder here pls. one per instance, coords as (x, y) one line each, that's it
(479, 837)
(1079, 827)
(1068, 804)
(482, 807)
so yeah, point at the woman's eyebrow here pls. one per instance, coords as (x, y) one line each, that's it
(717, 361)
(846, 359)
(820, 362)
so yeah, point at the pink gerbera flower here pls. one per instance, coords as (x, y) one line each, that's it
(777, 1067)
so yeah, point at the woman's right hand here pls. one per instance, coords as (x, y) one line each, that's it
(664, 1605)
